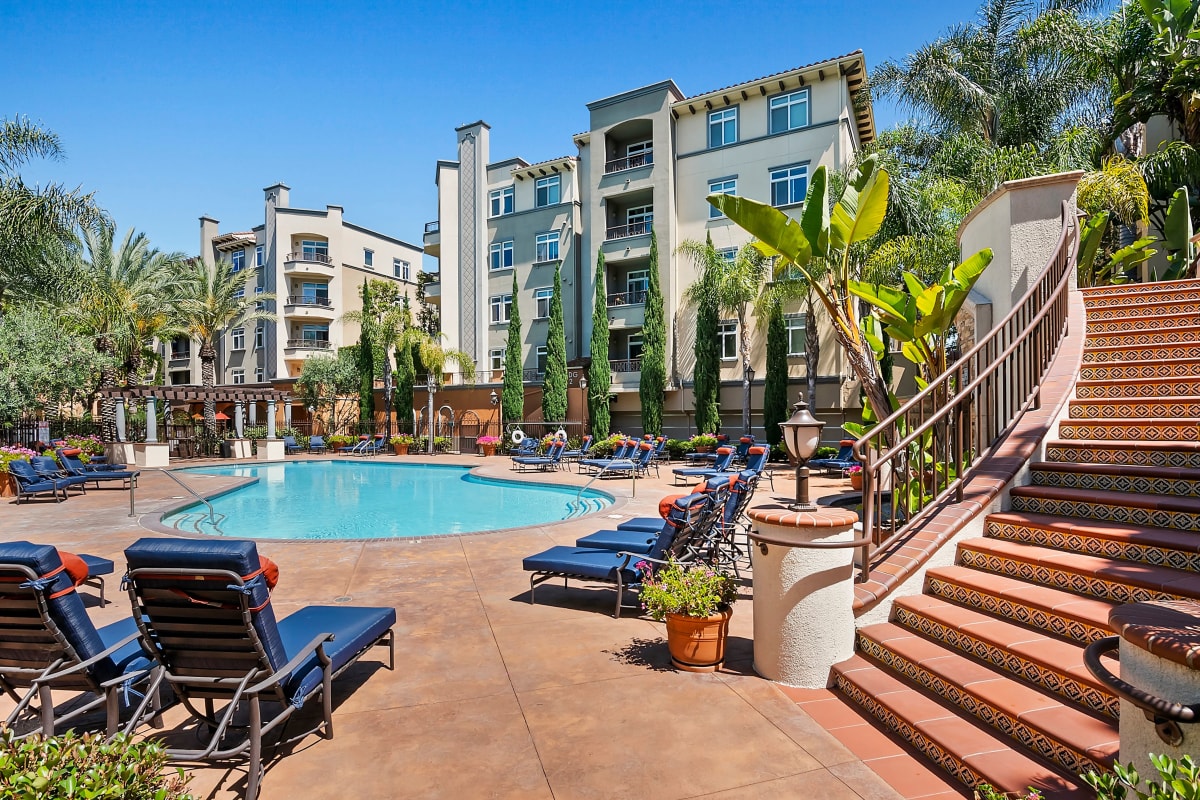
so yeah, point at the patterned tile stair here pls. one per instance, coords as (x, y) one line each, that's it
(1117, 477)
(983, 672)
(1156, 511)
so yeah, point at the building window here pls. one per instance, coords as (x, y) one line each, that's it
(637, 283)
(542, 298)
(722, 127)
(314, 294)
(501, 255)
(239, 292)
(239, 376)
(315, 333)
(496, 359)
(728, 253)
(314, 251)
(260, 375)
(546, 248)
(639, 154)
(789, 185)
(401, 269)
(501, 307)
(541, 360)
(795, 333)
(547, 191)
(789, 111)
(634, 348)
(727, 336)
(181, 378)
(639, 220)
(368, 258)
(237, 338)
(500, 202)
(258, 256)
(239, 260)
(181, 348)
(260, 336)
(722, 186)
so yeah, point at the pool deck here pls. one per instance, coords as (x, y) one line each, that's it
(494, 697)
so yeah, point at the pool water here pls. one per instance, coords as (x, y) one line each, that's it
(365, 500)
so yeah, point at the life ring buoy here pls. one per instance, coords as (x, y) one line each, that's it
(518, 436)
(561, 434)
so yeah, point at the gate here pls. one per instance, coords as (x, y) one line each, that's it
(470, 429)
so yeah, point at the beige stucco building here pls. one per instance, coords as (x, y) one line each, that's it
(645, 166)
(314, 263)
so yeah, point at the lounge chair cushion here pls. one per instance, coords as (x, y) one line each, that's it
(634, 541)
(651, 524)
(353, 628)
(97, 565)
(585, 562)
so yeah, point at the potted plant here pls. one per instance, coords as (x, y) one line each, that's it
(703, 443)
(856, 479)
(8, 484)
(400, 443)
(332, 443)
(695, 601)
(488, 445)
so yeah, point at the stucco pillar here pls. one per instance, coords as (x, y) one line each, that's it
(253, 413)
(120, 418)
(803, 597)
(287, 413)
(239, 419)
(151, 421)
(270, 419)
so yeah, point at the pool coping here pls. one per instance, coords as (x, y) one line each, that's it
(153, 520)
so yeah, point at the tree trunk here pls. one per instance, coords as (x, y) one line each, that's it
(387, 393)
(812, 350)
(108, 380)
(208, 375)
(745, 348)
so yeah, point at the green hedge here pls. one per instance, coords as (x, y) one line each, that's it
(71, 766)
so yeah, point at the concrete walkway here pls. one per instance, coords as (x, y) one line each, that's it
(494, 697)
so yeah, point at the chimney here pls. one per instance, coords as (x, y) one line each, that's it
(208, 232)
(277, 195)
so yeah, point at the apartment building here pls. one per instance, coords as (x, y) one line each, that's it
(645, 166)
(314, 263)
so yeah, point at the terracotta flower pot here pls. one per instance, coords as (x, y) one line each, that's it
(856, 481)
(401, 449)
(489, 450)
(697, 644)
(703, 450)
(8, 485)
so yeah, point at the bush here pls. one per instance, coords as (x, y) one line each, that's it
(678, 448)
(38, 768)
(90, 445)
(401, 438)
(605, 447)
(340, 440)
(779, 453)
(1180, 779)
(703, 440)
(821, 452)
(14, 453)
(256, 432)
(697, 591)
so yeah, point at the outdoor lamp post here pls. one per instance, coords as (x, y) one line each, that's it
(494, 399)
(801, 435)
(430, 386)
(583, 384)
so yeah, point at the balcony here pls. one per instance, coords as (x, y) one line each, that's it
(629, 315)
(635, 297)
(626, 374)
(643, 159)
(532, 376)
(626, 365)
(309, 307)
(180, 359)
(433, 238)
(308, 344)
(316, 265)
(626, 231)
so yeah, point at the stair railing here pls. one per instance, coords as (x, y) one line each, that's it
(927, 449)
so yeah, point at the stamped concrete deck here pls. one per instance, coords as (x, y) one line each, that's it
(494, 697)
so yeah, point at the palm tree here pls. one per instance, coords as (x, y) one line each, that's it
(212, 298)
(435, 358)
(736, 285)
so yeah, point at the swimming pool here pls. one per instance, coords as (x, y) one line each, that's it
(365, 500)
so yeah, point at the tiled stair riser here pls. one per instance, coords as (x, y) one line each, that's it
(1153, 323)
(1119, 370)
(1111, 454)
(1134, 389)
(1073, 542)
(1173, 487)
(1143, 308)
(1131, 339)
(1172, 408)
(1008, 608)
(1132, 515)
(1043, 675)
(1126, 430)
(1139, 292)
(1141, 353)
(986, 712)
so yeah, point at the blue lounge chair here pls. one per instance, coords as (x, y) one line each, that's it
(843, 460)
(63, 650)
(48, 469)
(640, 538)
(616, 566)
(357, 448)
(92, 464)
(373, 446)
(575, 455)
(316, 444)
(204, 609)
(660, 450)
(692, 458)
(552, 459)
(526, 447)
(756, 461)
(290, 445)
(76, 468)
(743, 448)
(639, 465)
(724, 459)
(30, 484)
(624, 451)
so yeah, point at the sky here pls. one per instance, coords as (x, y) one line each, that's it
(173, 110)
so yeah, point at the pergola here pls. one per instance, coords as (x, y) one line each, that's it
(237, 395)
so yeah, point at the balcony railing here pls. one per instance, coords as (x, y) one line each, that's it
(309, 344)
(633, 229)
(309, 300)
(433, 227)
(626, 365)
(531, 375)
(180, 358)
(319, 258)
(629, 162)
(635, 297)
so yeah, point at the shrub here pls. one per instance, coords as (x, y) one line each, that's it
(90, 445)
(605, 447)
(821, 452)
(779, 453)
(340, 440)
(703, 440)
(1180, 779)
(697, 591)
(401, 438)
(492, 440)
(256, 432)
(14, 453)
(678, 448)
(38, 768)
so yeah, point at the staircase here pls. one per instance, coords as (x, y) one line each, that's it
(983, 672)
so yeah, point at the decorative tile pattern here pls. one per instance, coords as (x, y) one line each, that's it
(1181, 334)
(1096, 546)
(1139, 369)
(1176, 387)
(910, 734)
(1140, 323)
(1147, 307)
(979, 708)
(1058, 682)
(1155, 409)
(1153, 517)
(1101, 430)
(1115, 455)
(1174, 487)
(1008, 609)
(1097, 301)
(1086, 585)
(1188, 350)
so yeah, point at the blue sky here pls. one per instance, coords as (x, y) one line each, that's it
(176, 109)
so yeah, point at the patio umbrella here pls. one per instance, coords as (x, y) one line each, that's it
(219, 416)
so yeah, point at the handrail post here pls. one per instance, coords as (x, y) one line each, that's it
(869, 511)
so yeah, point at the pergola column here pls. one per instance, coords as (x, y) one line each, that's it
(287, 413)
(151, 421)
(270, 419)
(253, 412)
(239, 418)
(120, 418)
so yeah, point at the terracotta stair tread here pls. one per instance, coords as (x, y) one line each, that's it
(1114, 421)
(1046, 599)
(1184, 316)
(1158, 502)
(1166, 538)
(1145, 305)
(1086, 734)
(982, 751)
(1136, 362)
(1150, 577)
(1116, 289)
(1124, 470)
(1126, 444)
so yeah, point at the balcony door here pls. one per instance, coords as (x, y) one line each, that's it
(315, 294)
(314, 251)
(315, 333)
(634, 347)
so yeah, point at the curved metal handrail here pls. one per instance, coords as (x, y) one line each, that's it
(1165, 714)
(966, 410)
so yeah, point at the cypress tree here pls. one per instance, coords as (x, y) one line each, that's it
(599, 371)
(554, 386)
(652, 386)
(403, 395)
(775, 400)
(366, 363)
(706, 375)
(513, 393)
